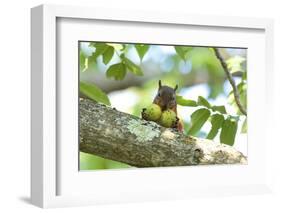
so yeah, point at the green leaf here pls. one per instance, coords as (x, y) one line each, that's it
(198, 118)
(185, 102)
(141, 49)
(92, 60)
(216, 121)
(244, 76)
(107, 51)
(244, 127)
(220, 109)
(228, 131)
(117, 71)
(132, 67)
(83, 62)
(242, 90)
(234, 64)
(182, 51)
(123, 47)
(86, 64)
(203, 102)
(91, 162)
(82, 59)
(92, 44)
(230, 98)
(108, 54)
(100, 49)
(116, 46)
(93, 92)
(211, 49)
(216, 87)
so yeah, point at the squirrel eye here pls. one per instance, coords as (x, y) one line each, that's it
(159, 95)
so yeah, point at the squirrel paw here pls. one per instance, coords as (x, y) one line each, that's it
(176, 123)
(143, 115)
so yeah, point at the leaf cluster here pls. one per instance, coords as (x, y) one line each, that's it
(217, 115)
(107, 51)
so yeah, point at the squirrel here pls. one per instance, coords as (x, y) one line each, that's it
(166, 99)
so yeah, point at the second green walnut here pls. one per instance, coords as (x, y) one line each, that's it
(168, 118)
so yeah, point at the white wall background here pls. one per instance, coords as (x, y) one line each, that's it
(15, 98)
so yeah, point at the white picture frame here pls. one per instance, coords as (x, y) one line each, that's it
(50, 174)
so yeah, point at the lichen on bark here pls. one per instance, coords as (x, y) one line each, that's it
(115, 135)
(141, 131)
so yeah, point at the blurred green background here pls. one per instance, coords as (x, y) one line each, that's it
(126, 77)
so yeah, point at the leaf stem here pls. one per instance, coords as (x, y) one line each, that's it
(231, 81)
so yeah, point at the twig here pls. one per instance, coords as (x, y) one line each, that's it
(231, 81)
(125, 138)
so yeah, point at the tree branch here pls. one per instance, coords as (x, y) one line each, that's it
(231, 81)
(118, 136)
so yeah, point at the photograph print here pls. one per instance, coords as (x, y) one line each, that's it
(161, 105)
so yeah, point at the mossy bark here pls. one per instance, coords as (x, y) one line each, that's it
(118, 136)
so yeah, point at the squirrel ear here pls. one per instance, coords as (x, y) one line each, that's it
(160, 84)
(176, 87)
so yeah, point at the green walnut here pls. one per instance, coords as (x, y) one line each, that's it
(152, 112)
(168, 118)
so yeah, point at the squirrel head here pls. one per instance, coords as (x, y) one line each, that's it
(166, 97)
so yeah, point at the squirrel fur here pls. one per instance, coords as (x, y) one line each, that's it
(166, 99)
